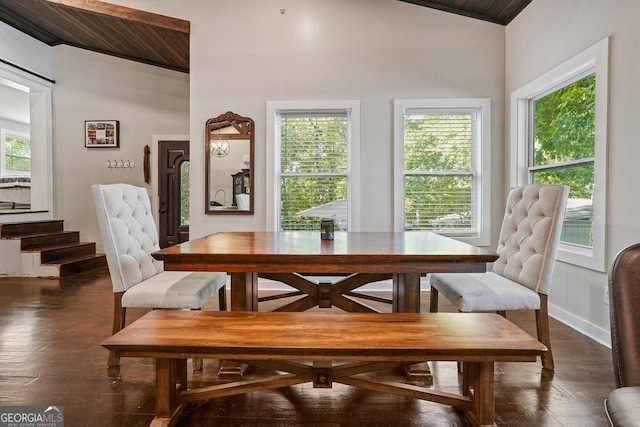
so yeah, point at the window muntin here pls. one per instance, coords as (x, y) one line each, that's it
(442, 147)
(315, 150)
(440, 164)
(562, 148)
(15, 153)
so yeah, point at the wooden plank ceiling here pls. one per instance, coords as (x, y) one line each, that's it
(497, 11)
(103, 27)
(160, 40)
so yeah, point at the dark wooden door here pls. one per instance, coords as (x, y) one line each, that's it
(174, 192)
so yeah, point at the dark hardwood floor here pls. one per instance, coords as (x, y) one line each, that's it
(50, 353)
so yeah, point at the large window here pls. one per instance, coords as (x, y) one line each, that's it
(313, 149)
(15, 153)
(562, 151)
(442, 149)
(559, 137)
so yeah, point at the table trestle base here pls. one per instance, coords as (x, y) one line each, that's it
(173, 397)
(325, 294)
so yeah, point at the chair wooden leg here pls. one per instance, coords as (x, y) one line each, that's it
(222, 299)
(119, 321)
(542, 325)
(433, 300)
(197, 362)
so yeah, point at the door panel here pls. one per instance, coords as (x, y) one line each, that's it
(173, 172)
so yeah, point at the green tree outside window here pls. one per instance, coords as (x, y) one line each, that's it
(17, 154)
(439, 163)
(184, 193)
(313, 166)
(564, 151)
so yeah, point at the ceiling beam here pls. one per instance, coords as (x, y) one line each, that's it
(126, 13)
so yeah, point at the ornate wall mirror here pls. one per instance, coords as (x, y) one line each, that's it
(229, 148)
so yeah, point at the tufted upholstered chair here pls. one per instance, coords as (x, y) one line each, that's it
(521, 276)
(623, 404)
(130, 237)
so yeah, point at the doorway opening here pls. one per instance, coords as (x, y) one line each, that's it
(173, 171)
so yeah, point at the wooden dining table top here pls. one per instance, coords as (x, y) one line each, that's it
(354, 252)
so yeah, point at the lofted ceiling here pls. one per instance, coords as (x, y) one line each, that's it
(497, 11)
(160, 40)
(103, 27)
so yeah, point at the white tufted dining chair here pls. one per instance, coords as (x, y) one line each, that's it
(521, 276)
(130, 237)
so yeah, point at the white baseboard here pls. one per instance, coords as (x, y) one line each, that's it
(594, 332)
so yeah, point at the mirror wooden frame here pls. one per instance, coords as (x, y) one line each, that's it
(242, 128)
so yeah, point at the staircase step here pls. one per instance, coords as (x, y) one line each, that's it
(83, 264)
(39, 241)
(59, 249)
(13, 230)
(58, 253)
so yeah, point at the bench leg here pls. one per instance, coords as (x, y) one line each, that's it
(480, 377)
(169, 372)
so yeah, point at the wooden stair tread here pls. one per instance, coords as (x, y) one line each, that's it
(66, 246)
(56, 246)
(76, 259)
(39, 241)
(97, 262)
(55, 233)
(54, 254)
(15, 230)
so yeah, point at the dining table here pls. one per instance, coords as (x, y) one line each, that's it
(347, 262)
(350, 260)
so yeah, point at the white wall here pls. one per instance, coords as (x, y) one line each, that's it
(14, 126)
(25, 51)
(547, 33)
(245, 53)
(146, 100)
(14, 107)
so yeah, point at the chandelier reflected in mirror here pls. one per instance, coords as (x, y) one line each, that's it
(219, 147)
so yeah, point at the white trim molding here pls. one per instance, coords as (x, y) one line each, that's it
(595, 58)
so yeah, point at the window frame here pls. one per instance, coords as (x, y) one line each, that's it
(483, 175)
(594, 58)
(273, 155)
(4, 133)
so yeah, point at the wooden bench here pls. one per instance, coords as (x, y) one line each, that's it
(323, 348)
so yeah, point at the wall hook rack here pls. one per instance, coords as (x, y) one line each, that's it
(120, 164)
